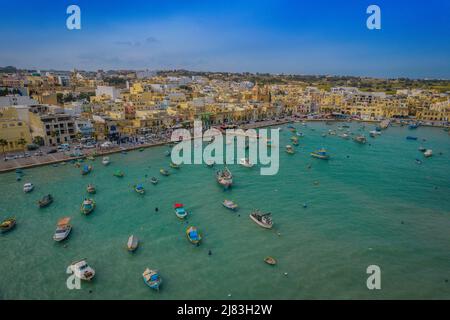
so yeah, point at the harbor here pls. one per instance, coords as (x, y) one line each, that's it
(367, 204)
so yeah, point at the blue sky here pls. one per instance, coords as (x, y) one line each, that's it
(279, 36)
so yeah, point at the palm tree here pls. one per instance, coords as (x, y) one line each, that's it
(3, 144)
(22, 142)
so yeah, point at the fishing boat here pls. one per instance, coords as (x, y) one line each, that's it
(164, 172)
(224, 177)
(374, 133)
(428, 153)
(87, 206)
(118, 174)
(180, 212)
(289, 149)
(82, 270)
(411, 138)
(7, 224)
(174, 165)
(422, 149)
(262, 219)
(320, 154)
(270, 260)
(28, 187)
(63, 228)
(106, 161)
(230, 204)
(154, 180)
(193, 235)
(294, 138)
(245, 163)
(152, 278)
(139, 188)
(133, 243)
(91, 189)
(45, 201)
(360, 139)
(86, 169)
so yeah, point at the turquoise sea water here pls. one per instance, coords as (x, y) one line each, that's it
(376, 206)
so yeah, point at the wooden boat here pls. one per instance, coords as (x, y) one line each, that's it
(289, 149)
(152, 278)
(118, 174)
(174, 165)
(7, 224)
(270, 260)
(320, 154)
(91, 189)
(28, 187)
(45, 201)
(87, 206)
(86, 169)
(224, 177)
(106, 161)
(230, 204)
(154, 180)
(82, 270)
(63, 228)
(164, 172)
(133, 243)
(139, 188)
(262, 219)
(193, 235)
(180, 212)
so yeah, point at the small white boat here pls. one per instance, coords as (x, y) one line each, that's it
(245, 162)
(133, 243)
(63, 228)
(28, 187)
(82, 270)
(428, 153)
(374, 133)
(106, 161)
(230, 204)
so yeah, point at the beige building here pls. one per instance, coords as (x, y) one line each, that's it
(13, 129)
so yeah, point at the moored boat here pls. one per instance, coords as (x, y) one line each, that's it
(360, 139)
(428, 153)
(164, 172)
(245, 162)
(45, 201)
(262, 219)
(374, 133)
(289, 149)
(270, 260)
(320, 154)
(82, 270)
(180, 211)
(28, 187)
(230, 204)
(224, 177)
(193, 235)
(106, 161)
(174, 165)
(86, 169)
(133, 243)
(154, 180)
(413, 126)
(63, 228)
(7, 224)
(91, 189)
(139, 188)
(210, 163)
(422, 149)
(119, 174)
(87, 206)
(411, 138)
(152, 278)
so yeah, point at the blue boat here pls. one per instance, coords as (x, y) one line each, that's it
(320, 154)
(180, 212)
(193, 235)
(86, 169)
(411, 138)
(413, 126)
(139, 188)
(152, 278)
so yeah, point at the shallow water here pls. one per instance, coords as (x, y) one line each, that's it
(376, 206)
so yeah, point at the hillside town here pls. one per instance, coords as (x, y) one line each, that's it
(48, 111)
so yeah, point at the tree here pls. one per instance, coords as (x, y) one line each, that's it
(3, 144)
(38, 140)
(22, 142)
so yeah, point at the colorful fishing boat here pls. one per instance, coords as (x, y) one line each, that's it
(180, 211)
(28, 187)
(133, 243)
(7, 224)
(164, 172)
(45, 201)
(119, 174)
(193, 235)
(87, 206)
(82, 270)
(289, 149)
(320, 154)
(91, 189)
(139, 188)
(154, 180)
(224, 177)
(63, 228)
(270, 260)
(230, 204)
(262, 219)
(86, 169)
(152, 278)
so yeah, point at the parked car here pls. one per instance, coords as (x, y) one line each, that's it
(52, 151)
